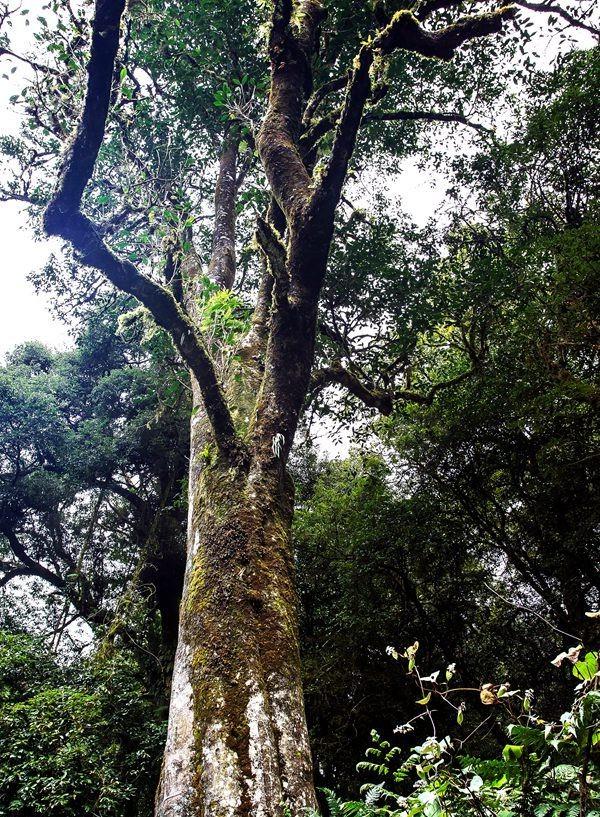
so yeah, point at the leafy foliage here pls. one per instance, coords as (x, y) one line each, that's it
(91, 442)
(79, 740)
(548, 769)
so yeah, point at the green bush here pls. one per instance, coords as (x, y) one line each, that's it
(81, 740)
(547, 769)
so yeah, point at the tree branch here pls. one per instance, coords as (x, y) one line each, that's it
(338, 375)
(429, 116)
(222, 263)
(403, 32)
(63, 218)
(321, 94)
(380, 399)
(13, 574)
(275, 255)
(290, 52)
(358, 91)
(327, 123)
(550, 8)
(37, 66)
(30, 566)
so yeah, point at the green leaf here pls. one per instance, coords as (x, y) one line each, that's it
(586, 670)
(512, 752)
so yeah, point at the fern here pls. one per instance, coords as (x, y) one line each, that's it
(334, 804)
(375, 794)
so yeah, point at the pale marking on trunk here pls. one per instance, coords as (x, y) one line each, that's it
(177, 785)
(190, 518)
(196, 544)
(221, 775)
(287, 706)
(264, 791)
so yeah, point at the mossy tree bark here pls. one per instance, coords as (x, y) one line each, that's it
(237, 741)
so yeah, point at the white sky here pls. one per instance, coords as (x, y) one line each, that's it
(24, 315)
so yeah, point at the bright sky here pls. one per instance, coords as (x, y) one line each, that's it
(24, 315)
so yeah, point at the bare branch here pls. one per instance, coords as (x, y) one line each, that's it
(327, 123)
(321, 94)
(13, 574)
(429, 116)
(37, 66)
(551, 8)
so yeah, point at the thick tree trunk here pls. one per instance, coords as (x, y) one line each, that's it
(237, 740)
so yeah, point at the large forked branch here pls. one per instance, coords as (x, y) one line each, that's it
(309, 204)
(403, 32)
(64, 218)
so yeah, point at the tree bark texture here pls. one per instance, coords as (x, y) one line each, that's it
(237, 740)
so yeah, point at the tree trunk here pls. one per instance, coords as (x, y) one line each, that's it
(237, 740)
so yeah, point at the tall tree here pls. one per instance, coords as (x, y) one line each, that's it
(237, 741)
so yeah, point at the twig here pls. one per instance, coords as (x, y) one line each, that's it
(533, 612)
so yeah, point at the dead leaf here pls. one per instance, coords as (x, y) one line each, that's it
(487, 695)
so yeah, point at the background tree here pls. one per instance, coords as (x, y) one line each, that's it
(93, 468)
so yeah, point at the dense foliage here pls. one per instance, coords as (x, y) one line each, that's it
(93, 462)
(74, 740)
